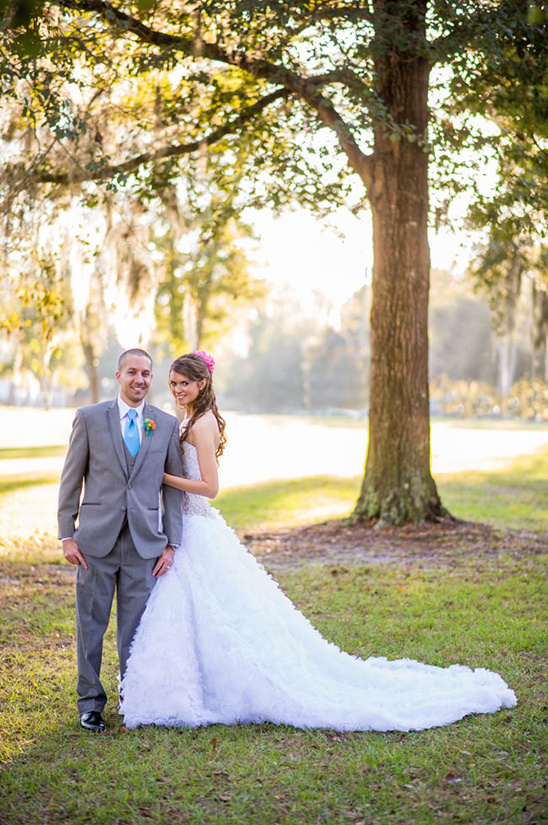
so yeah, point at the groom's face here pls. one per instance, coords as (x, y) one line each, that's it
(135, 378)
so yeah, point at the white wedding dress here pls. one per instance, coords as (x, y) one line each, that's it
(220, 643)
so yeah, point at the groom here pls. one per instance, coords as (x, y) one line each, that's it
(118, 453)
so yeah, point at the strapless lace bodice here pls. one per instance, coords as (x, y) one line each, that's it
(193, 503)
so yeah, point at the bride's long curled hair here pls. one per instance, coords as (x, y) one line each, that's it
(193, 367)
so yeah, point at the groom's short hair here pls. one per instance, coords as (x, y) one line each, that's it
(129, 352)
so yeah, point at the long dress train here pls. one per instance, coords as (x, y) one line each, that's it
(220, 642)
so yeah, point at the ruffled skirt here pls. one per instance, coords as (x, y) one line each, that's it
(220, 643)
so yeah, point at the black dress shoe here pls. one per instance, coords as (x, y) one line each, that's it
(93, 721)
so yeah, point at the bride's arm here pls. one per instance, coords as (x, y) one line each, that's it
(204, 437)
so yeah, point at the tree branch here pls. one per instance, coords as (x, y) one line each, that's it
(361, 163)
(306, 88)
(81, 175)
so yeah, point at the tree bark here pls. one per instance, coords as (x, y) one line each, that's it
(91, 369)
(398, 485)
(507, 363)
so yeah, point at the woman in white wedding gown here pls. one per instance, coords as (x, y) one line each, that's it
(220, 643)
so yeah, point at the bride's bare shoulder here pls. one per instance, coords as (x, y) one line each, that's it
(205, 428)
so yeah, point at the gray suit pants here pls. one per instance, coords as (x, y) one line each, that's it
(122, 571)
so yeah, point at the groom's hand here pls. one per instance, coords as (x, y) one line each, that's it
(72, 553)
(164, 562)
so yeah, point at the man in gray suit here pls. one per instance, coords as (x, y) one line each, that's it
(118, 452)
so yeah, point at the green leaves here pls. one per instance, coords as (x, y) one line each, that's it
(20, 13)
(537, 13)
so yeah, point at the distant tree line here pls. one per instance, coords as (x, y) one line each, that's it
(294, 363)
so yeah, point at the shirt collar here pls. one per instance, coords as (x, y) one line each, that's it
(123, 408)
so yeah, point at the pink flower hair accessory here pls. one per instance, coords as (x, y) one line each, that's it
(210, 361)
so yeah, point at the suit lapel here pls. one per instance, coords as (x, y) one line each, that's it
(113, 418)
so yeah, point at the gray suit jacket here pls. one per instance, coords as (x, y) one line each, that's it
(96, 460)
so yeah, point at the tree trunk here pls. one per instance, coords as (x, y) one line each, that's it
(507, 363)
(91, 369)
(190, 321)
(201, 313)
(398, 485)
(45, 390)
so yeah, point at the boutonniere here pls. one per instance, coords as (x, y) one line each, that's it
(149, 426)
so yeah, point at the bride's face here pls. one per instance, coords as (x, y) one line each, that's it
(184, 391)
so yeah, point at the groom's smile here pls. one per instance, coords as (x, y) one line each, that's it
(135, 378)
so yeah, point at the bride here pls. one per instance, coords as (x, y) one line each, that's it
(220, 643)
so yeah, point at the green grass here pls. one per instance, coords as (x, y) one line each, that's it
(23, 481)
(486, 611)
(484, 769)
(277, 504)
(33, 452)
(514, 498)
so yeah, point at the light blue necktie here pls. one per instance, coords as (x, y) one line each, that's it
(131, 435)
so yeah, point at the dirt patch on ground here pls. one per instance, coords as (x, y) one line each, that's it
(334, 542)
(431, 545)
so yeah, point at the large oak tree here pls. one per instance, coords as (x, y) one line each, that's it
(300, 94)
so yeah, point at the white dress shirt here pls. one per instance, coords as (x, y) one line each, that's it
(124, 420)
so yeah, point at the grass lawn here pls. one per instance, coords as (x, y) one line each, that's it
(516, 498)
(44, 451)
(488, 610)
